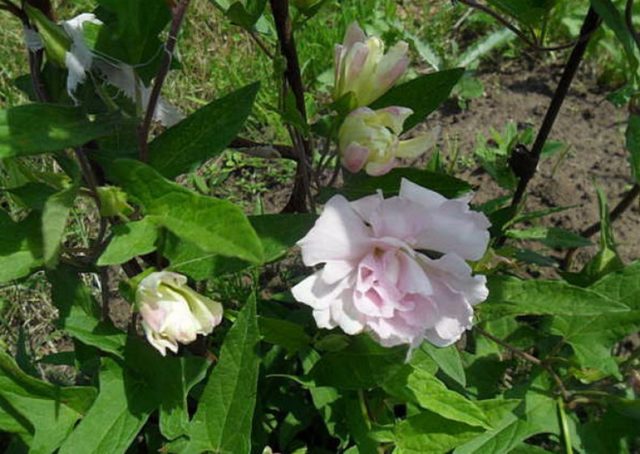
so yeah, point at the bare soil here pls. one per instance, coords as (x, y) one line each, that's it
(591, 125)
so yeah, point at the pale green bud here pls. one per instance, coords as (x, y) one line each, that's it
(113, 202)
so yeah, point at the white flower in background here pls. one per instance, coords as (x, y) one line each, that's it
(79, 57)
(172, 312)
(362, 67)
(369, 139)
(79, 60)
(376, 277)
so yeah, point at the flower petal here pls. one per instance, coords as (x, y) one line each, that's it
(456, 274)
(393, 65)
(317, 293)
(375, 169)
(393, 117)
(354, 34)
(451, 226)
(354, 157)
(398, 218)
(412, 148)
(346, 316)
(455, 316)
(338, 234)
(366, 206)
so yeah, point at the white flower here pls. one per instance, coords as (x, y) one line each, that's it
(80, 60)
(376, 277)
(172, 312)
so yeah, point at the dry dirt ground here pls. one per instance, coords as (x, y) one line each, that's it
(588, 123)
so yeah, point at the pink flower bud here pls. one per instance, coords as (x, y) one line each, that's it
(369, 139)
(362, 67)
(172, 312)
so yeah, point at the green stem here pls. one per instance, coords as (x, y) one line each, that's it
(564, 425)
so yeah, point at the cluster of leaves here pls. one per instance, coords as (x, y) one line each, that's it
(538, 375)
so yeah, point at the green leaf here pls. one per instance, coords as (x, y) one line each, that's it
(12, 422)
(362, 365)
(223, 420)
(244, 13)
(537, 414)
(203, 135)
(216, 226)
(483, 46)
(529, 12)
(622, 286)
(611, 433)
(607, 259)
(130, 32)
(168, 382)
(633, 144)
(121, 409)
(283, 332)
(277, 233)
(54, 220)
(78, 312)
(360, 185)
(430, 433)
(416, 385)
(614, 19)
(51, 411)
(20, 246)
(593, 337)
(511, 296)
(39, 128)
(423, 95)
(553, 237)
(130, 240)
(358, 424)
(448, 360)
(33, 195)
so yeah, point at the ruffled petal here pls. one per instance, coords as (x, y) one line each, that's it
(398, 218)
(455, 273)
(455, 316)
(451, 226)
(426, 197)
(315, 292)
(367, 206)
(346, 316)
(338, 234)
(413, 278)
(454, 228)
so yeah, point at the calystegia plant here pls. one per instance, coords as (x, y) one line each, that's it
(245, 227)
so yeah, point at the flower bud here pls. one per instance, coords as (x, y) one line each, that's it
(172, 312)
(362, 67)
(113, 202)
(369, 139)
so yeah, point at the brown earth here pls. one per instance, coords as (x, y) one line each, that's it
(588, 123)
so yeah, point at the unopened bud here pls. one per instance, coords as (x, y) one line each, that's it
(172, 312)
(113, 202)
